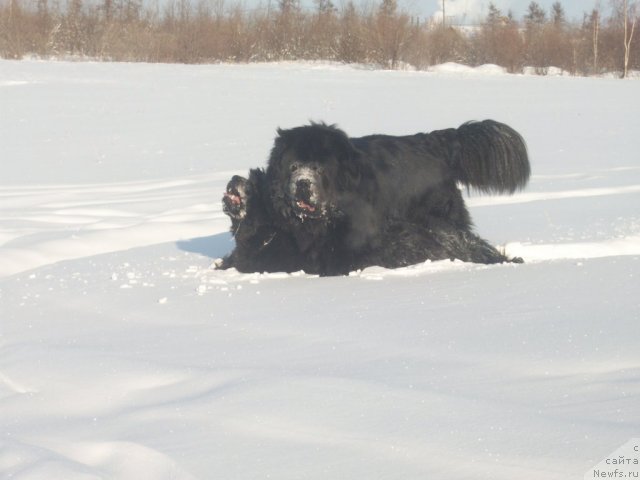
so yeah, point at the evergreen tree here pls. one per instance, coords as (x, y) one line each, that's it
(557, 15)
(535, 16)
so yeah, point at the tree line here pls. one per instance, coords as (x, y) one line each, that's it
(208, 31)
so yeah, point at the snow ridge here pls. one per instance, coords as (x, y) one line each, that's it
(125, 355)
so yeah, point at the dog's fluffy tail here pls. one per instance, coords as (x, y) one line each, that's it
(490, 157)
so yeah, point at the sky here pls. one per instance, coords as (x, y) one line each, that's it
(470, 10)
(463, 12)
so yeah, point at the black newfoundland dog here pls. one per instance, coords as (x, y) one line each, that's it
(330, 204)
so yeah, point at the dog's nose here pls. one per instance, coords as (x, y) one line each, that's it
(303, 189)
(303, 181)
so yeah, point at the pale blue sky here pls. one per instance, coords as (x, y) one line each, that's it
(475, 9)
(464, 11)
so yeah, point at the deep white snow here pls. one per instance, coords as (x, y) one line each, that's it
(124, 355)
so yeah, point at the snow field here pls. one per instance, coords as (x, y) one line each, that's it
(124, 355)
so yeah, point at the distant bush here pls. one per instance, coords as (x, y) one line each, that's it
(210, 31)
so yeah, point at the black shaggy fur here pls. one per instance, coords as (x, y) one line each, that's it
(330, 204)
(262, 247)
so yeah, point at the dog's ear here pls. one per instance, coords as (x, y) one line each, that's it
(282, 137)
(286, 135)
(280, 144)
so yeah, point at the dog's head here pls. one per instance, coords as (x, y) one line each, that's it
(234, 200)
(243, 198)
(308, 170)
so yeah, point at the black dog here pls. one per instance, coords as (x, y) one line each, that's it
(263, 247)
(335, 204)
(260, 245)
(342, 197)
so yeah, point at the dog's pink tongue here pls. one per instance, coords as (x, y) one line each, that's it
(235, 199)
(305, 206)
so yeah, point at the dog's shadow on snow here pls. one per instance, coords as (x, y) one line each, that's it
(214, 246)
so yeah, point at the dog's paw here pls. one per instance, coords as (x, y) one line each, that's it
(223, 263)
(218, 264)
(234, 200)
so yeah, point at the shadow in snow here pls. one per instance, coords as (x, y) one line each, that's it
(214, 246)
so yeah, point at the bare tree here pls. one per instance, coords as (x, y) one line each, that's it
(351, 44)
(391, 31)
(628, 33)
(498, 41)
(534, 34)
(595, 33)
(287, 29)
(560, 44)
(193, 31)
(322, 31)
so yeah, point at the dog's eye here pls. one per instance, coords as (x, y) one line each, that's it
(293, 168)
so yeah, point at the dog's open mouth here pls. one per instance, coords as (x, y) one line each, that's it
(305, 200)
(307, 207)
(234, 198)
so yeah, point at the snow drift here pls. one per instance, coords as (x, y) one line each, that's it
(123, 355)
